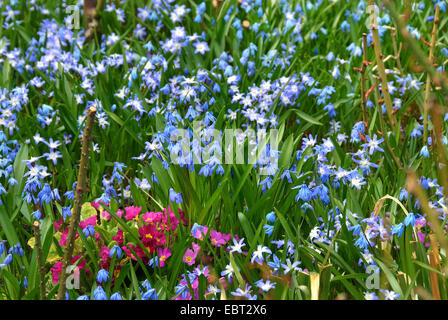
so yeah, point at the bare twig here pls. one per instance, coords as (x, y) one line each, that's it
(437, 78)
(428, 77)
(363, 78)
(91, 9)
(382, 72)
(384, 131)
(80, 186)
(40, 263)
(415, 188)
(437, 114)
(393, 35)
(434, 279)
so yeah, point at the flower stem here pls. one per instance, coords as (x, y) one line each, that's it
(428, 77)
(437, 78)
(91, 9)
(437, 114)
(384, 131)
(40, 263)
(80, 186)
(382, 72)
(363, 79)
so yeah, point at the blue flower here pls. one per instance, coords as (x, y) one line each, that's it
(275, 264)
(373, 144)
(410, 219)
(66, 212)
(175, 197)
(116, 250)
(403, 194)
(151, 294)
(18, 249)
(424, 152)
(102, 276)
(398, 229)
(270, 217)
(116, 296)
(8, 259)
(154, 262)
(89, 231)
(345, 26)
(356, 230)
(268, 229)
(146, 284)
(2, 247)
(304, 194)
(36, 215)
(362, 242)
(99, 293)
(83, 297)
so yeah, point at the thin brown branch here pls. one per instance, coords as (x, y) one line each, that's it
(416, 189)
(40, 263)
(382, 72)
(437, 115)
(79, 191)
(91, 10)
(428, 76)
(437, 78)
(363, 79)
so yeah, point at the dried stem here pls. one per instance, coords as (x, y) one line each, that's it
(382, 72)
(415, 188)
(407, 10)
(437, 78)
(384, 131)
(393, 34)
(40, 263)
(80, 186)
(437, 114)
(433, 276)
(363, 79)
(436, 256)
(91, 9)
(428, 77)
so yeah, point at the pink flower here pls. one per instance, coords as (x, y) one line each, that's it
(119, 213)
(57, 268)
(420, 223)
(172, 222)
(58, 224)
(132, 212)
(421, 236)
(152, 217)
(56, 271)
(189, 257)
(151, 237)
(105, 215)
(63, 240)
(217, 238)
(196, 248)
(88, 222)
(164, 254)
(226, 237)
(200, 232)
(105, 259)
(96, 205)
(182, 217)
(119, 237)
